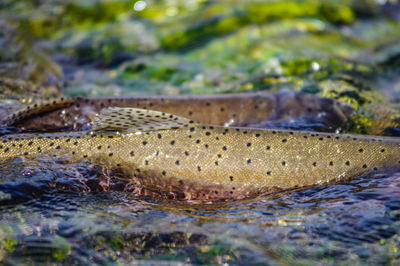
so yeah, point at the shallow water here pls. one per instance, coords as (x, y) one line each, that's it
(57, 212)
(63, 213)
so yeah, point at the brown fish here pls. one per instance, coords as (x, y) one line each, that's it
(177, 156)
(229, 109)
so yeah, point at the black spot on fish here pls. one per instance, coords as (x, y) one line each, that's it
(347, 163)
(99, 147)
(314, 164)
(364, 166)
(186, 153)
(360, 150)
(146, 162)
(375, 169)
(383, 150)
(224, 148)
(330, 163)
(248, 144)
(159, 136)
(284, 140)
(144, 143)
(177, 162)
(75, 143)
(132, 154)
(206, 146)
(198, 141)
(216, 162)
(85, 156)
(208, 133)
(199, 168)
(26, 153)
(248, 161)
(283, 163)
(257, 135)
(172, 142)
(163, 173)
(191, 129)
(268, 147)
(219, 155)
(6, 149)
(30, 143)
(321, 138)
(269, 173)
(58, 147)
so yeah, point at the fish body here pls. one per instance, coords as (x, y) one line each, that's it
(163, 152)
(229, 109)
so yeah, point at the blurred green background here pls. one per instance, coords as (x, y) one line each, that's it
(348, 50)
(343, 49)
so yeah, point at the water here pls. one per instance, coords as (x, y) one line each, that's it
(69, 213)
(57, 212)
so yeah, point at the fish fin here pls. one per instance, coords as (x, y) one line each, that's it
(131, 120)
(40, 108)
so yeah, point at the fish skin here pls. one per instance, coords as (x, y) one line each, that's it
(197, 161)
(244, 109)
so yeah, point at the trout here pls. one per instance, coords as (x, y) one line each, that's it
(247, 109)
(193, 161)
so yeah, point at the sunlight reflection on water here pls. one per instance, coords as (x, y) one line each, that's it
(52, 215)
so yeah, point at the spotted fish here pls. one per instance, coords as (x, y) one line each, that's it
(229, 109)
(178, 156)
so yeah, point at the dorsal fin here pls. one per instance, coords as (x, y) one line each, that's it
(130, 120)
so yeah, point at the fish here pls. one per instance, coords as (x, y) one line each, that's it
(244, 110)
(180, 158)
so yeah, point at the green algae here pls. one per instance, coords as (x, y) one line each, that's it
(347, 50)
